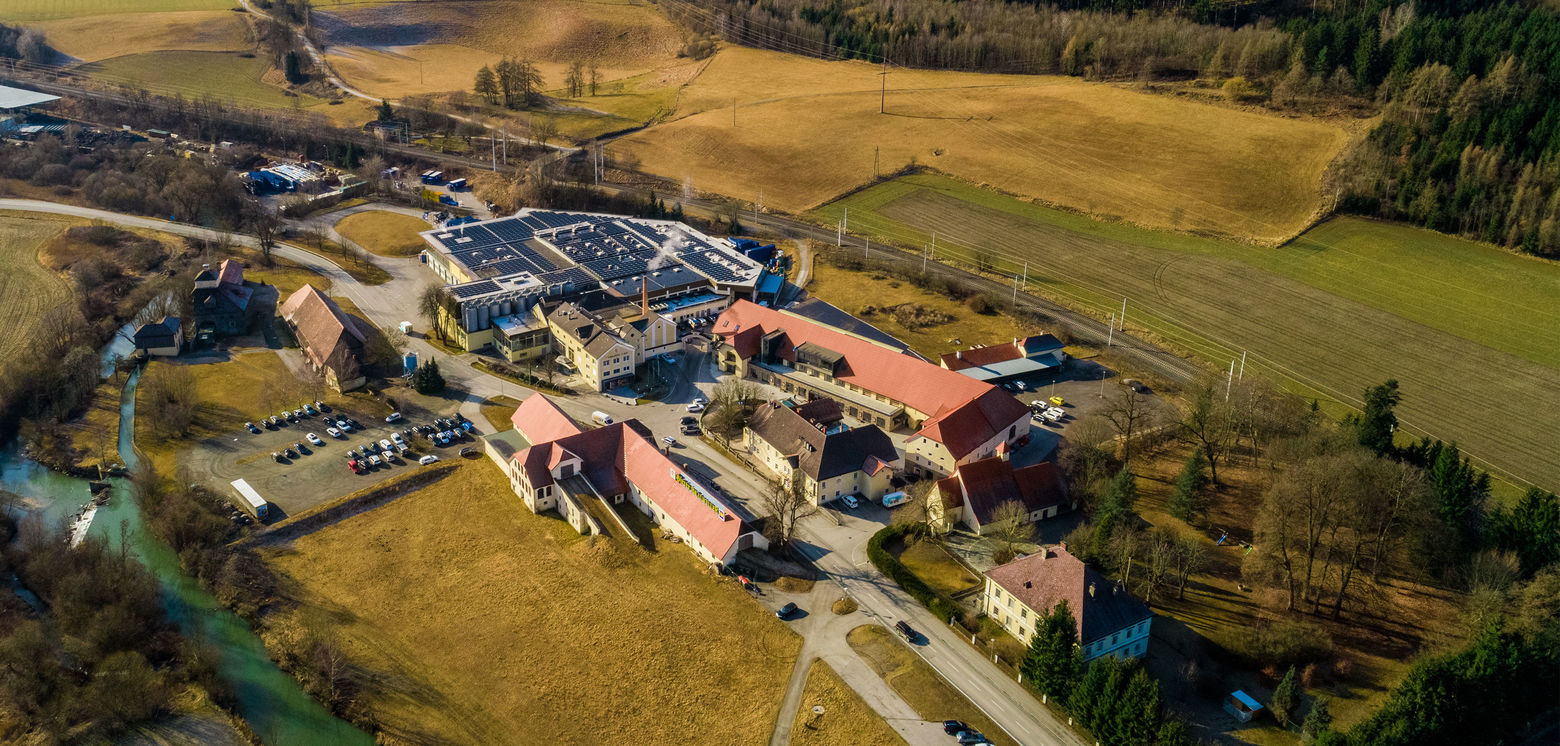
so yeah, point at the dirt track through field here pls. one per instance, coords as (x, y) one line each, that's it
(1501, 408)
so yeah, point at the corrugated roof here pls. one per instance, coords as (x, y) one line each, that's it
(16, 98)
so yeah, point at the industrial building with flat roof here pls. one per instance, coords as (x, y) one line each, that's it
(500, 269)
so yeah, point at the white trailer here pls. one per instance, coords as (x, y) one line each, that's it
(256, 503)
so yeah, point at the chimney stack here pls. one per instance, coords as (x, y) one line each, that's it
(644, 297)
(1091, 590)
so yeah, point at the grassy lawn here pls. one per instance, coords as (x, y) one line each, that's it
(1102, 149)
(845, 719)
(1347, 306)
(921, 687)
(27, 287)
(482, 622)
(83, 37)
(224, 76)
(96, 434)
(932, 564)
(43, 10)
(848, 289)
(497, 411)
(385, 233)
(358, 265)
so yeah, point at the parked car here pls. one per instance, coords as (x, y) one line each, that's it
(668, 359)
(290, 453)
(851, 502)
(695, 407)
(1058, 401)
(299, 447)
(276, 456)
(953, 727)
(391, 456)
(699, 400)
(970, 737)
(353, 465)
(402, 447)
(1021, 385)
(345, 426)
(384, 445)
(272, 422)
(669, 441)
(785, 611)
(252, 427)
(394, 417)
(428, 459)
(297, 414)
(314, 439)
(321, 406)
(308, 409)
(373, 459)
(334, 433)
(363, 451)
(468, 452)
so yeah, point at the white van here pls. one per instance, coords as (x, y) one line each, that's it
(895, 498)
(601, 418)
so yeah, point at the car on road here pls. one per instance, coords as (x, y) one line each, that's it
(428, 459)
(851, 502)
(669, 441)
(695, 407)
(954, 727)
(1058, 401)
(334, 433)
(905, 630)
(394, 417)
(384, 445)
(252, 427)
(785, 611)
(373, 459)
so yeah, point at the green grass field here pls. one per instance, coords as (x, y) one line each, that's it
(225, 76)
(48, 10)
(1351, 303)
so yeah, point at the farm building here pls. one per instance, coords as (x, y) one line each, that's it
(330, 338)
(16, 104)
(163, 337)
(499, 270)
(220, 301)
(971, 496)
(1004, 362)
(1110, 620)
(588, 475)
(605, 345)
(956, 419)
(811, 444)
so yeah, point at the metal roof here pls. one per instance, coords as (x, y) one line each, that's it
(16, 98)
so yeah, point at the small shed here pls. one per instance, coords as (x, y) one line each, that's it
(161, 338)
(1242, 706)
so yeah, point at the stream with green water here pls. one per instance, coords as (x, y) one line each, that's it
(269, 699)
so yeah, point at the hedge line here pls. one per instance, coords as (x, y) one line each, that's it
(944, 607)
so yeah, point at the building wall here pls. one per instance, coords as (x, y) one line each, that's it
(1131, 642)
(1019, 620)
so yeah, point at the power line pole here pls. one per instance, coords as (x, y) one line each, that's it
(923, 259)
(868, 253)
(493, 149)
(1123, 318)
(883, 94)
(876, 151)
(1015, 290)
(1110, 331)
(1229, 382)
(506, 144)
(733, 112)
(845, 226)
(839, 233)
(756, 206)
(1242, 375)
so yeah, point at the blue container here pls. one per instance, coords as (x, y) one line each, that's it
(409, 362)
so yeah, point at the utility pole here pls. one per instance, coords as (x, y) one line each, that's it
(845, 226)
(1229, 383)
(733, 112)
(883, 94)
(876, 151)
(506, 143)
(1123, 319)
(1015, 290)
(923, 259)
(1242, 375)
(493, 149)
(868, 253)
(1110, 331)
(756, 205)
(839, 233)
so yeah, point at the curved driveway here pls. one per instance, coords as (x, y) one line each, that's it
(836, 541)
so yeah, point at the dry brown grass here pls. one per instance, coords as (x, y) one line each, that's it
(1102, 149)
(932, 564)
(96, 434)
(487, 624)
(372, 47)
(497, 411)
(27, 287)
(846, 719)
(921, 687)
(93, 38)
(385, 233)
(848, 288)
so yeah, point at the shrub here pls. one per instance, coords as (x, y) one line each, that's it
(979, 304)
(942, 606)
(845, 605)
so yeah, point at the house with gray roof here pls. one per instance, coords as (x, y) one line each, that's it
(163, 337)
(812, 445)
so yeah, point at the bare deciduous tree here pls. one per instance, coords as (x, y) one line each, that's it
(1009, 527)
(1190, 555)
(1129, 412)
(787, 506)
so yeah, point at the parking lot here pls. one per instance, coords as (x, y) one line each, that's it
(1084, 386)
(316, 474)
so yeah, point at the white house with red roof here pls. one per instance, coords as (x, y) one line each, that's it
(560, 466)
(956, 419)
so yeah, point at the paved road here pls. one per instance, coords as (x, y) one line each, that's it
(837, 541)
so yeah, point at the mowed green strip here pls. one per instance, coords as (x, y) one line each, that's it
(225, 76)
(49, 10)
(1468, 330)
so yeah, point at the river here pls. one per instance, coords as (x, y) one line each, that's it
(269, 699)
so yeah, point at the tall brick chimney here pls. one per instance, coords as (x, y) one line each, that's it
(644, 296)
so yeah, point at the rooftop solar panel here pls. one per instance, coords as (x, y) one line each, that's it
(473, 289)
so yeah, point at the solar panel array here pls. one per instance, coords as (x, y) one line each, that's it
(473, 289)
(604, 247)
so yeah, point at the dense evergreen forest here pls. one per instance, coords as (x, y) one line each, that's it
(1469, 91)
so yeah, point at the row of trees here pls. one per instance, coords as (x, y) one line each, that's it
(516, 84)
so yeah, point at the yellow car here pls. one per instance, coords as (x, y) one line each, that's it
(1058, 401)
